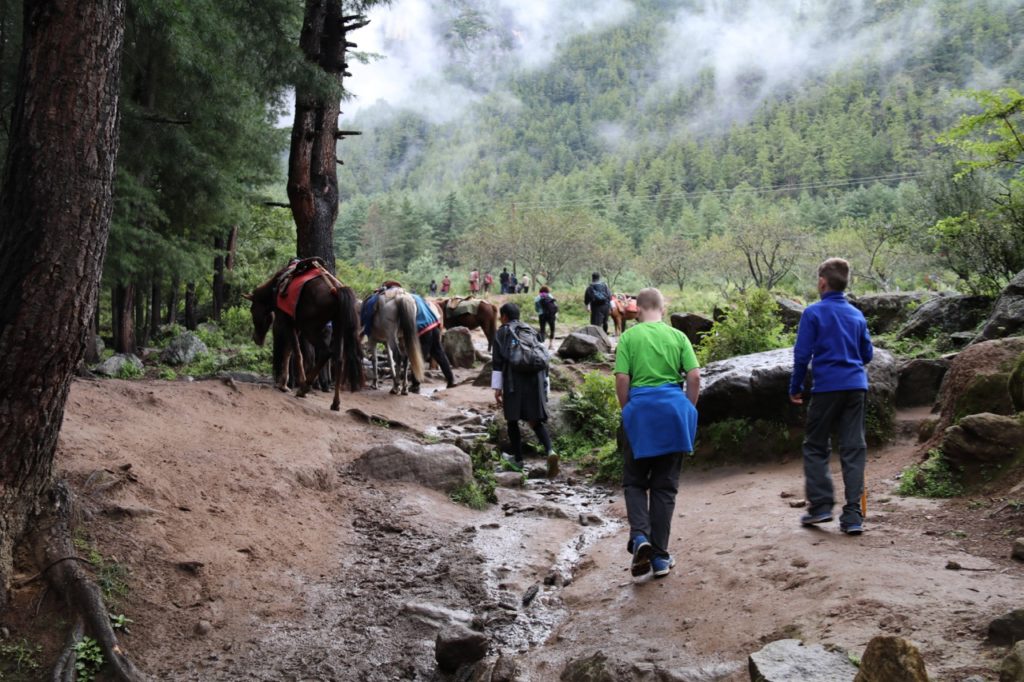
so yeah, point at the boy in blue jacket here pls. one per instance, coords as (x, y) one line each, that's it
(835, 336)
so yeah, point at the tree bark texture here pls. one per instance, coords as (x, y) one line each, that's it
(55, 211)
(172, 301)
(154, 307)
(218, 277)
(312, 162)
(141, 330)
(123, 304)
(191, 315)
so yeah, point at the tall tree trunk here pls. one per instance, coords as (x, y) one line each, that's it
(141, 328)
(312, 161)
(154, 307)
(191, 321)
(172, 300)
(55, 208)
(218, 277)
(124, 314)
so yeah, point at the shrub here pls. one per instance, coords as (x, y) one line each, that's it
(167, 374)
(728, 433)
(593, 409)
(129, 371)
(212, 335)
(236, 324)
(479, 492)
(931, 478)
(750, 326)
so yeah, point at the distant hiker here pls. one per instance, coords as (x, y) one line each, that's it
(503, 279)
(513, 284)
(833, 337)
(488, 281)
(428, 328)
(525, 284)
(598, 299)
(446, 285)
(660, 421)
(432, 288)
(547, 309)
(519, 380)
(474, 282)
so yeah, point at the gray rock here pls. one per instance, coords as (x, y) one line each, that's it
(948, 314)
(484, 377)
(789, 312)
(457, 645)
(202, 628)
(919, 381)
(441, 466)
(886, 312)
(790, 660)
(891, 659)
(692, 324)
(756, 386)
(579, 346)
(505, 669)
(509, 479)
(183, 349)
(1007, 316)
(982, 439)
(604, 343)
(594, 668)
(111, 367)
(458, 346)
(1018, 549)
(1008, 629)
(1012, 667)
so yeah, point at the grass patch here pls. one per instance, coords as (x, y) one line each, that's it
(111, 575)
(128, 370)
(479, 492)
(931, 478)
(19, 660)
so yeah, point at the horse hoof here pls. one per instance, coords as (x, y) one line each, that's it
(405, 391)
(283, 389)
(394, 391)
(335, 407)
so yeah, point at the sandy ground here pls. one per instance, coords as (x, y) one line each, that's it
(251, 551)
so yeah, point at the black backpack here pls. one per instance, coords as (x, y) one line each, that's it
(599, 293)
(548, 306)
(524, 350)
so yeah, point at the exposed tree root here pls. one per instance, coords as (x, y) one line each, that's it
(64, 669)
(82, 595)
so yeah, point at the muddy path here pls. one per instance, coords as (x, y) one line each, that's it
(252, 551)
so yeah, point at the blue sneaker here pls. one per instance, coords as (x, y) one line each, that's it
(642, 553)
(662, 565)
(851, 528)
(814, 519)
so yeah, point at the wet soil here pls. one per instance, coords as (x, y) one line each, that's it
(249, 550)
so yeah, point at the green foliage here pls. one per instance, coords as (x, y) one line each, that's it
(120, 622)
(20, 660)
(931, 478)
(728, 433)
(879, 422)
(593, 409)
(211, 335)
(924, 348)
(128, 370)
(609, 463)
(167, 374)
(111, 575)
(751, 325)
(88, 659)
(479, 492)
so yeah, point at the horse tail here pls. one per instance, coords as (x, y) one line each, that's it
(407, 327)
(346, 329)
(281, 339)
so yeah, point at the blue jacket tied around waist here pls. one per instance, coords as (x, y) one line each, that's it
(659, 420)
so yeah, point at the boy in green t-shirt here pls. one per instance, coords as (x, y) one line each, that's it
(660, 421)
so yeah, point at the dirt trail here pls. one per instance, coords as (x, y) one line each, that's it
(253, 552)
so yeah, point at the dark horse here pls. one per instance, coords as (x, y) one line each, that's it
(486, 317)
(319, 303)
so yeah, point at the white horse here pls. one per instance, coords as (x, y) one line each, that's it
(394, 325)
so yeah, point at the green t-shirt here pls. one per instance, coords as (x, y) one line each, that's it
(654, 354)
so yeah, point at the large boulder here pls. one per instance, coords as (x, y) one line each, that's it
(977, 381)
(757, 386)
(1015, 385)
(484, 377)
(947, 314)
(1012, 667)
(891, 659)
(919, 381)
(886, 312)
(579, 347)
(603, 342)
(183, 349)
(692, 324)
(1007, 629)
(113, 366)
(441, 466)
(457, 645)
(980, 439)
(790, 660)
(1007, 316)
(458, 346)
(789, 311)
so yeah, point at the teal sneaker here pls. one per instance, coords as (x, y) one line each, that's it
(642, 553)
(662, 565)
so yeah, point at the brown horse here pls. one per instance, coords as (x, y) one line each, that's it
(319, 303)
(623, 309)
(486, 317)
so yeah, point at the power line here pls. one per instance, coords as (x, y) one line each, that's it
(817, 184)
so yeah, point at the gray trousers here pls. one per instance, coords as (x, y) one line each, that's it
(650, 485)
(842, 411)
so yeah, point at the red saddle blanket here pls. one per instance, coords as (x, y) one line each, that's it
(630, 305)
(288, 299)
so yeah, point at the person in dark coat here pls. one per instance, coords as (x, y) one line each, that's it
(598, 299)
(522, 397)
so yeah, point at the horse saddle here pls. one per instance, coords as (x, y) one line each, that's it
(462, 306)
